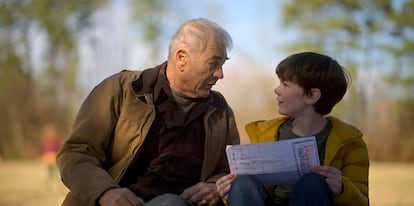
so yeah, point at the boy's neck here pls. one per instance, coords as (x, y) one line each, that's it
(305, 126)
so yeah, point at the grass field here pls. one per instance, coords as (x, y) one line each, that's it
(26, 183)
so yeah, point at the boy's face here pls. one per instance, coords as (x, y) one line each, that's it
(291, 99)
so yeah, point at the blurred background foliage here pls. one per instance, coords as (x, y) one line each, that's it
(361, 34)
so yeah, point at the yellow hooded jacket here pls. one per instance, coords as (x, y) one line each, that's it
(345, 150)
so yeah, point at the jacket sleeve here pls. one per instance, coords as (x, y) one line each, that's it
(231, 137)
(232, 140)
(355, 176)
(81, 158)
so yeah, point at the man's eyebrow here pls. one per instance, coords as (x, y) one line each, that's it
(220, 58)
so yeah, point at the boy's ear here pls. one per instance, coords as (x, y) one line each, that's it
(313, 96)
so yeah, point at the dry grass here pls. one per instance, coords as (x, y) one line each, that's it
(391, 184)
(25, 183)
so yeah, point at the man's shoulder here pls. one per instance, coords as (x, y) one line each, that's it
(128, 75)
(125, 75)
(219, 101)
(121, 77)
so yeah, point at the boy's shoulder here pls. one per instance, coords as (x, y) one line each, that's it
(266, 124)
(344, 129)
(264, 130)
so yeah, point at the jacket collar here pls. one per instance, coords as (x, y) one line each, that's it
(145, 83)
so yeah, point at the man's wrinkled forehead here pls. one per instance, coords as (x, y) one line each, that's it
(217, 51)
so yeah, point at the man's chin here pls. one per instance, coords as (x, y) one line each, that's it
(203, 94)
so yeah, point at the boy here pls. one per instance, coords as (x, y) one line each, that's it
(310, 86)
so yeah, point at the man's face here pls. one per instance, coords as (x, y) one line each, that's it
(203, 70)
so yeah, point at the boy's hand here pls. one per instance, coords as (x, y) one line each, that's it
(333, 178)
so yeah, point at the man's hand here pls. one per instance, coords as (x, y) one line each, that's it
(202, 194)
(223, 185)
(120, 197)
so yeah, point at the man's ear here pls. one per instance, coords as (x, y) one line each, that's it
(313, 96)
(182, 58)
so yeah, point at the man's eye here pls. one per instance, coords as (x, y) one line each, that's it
(214, 64)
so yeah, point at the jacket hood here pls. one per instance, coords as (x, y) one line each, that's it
(266, 130)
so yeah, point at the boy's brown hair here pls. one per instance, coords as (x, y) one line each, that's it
(313, 70)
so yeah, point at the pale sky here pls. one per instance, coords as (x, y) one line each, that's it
(253, 25)
(249, 79)
(257, 48)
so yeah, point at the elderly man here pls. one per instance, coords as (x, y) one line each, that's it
(157, 136)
